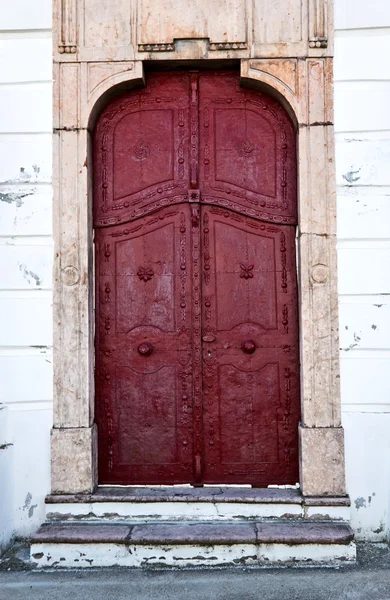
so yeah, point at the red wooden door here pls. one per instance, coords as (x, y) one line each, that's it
(197, 371)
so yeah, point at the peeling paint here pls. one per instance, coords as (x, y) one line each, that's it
(350, 347)
(374, 327)
(28, 506)
(12, 197)
(26, 175)
(5, 446)
(27, 501)
(351, 176)
(360, 503)
(29, 274)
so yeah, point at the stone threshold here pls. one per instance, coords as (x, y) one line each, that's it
(186, 544)
(276, 532)
(206, 494)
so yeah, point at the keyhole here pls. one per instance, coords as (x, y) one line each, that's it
(208, 352)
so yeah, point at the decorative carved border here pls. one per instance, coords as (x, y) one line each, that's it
(213, 46)
(73, 304)
(227, 46)
(68, 21)
(318, 24)
(156, 47)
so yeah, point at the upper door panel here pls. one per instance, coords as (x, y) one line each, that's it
(141, 150)
(247, 156)
(200, 131)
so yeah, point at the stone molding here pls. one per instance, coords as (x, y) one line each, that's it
(68, 19)
(303, 84)
(129, 29)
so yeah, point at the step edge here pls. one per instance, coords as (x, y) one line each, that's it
(339, 533)
(245, 498)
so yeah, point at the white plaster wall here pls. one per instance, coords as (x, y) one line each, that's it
(362, 117)
(362, 90)
(25, 264)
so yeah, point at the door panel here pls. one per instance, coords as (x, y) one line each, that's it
(247, 157)
(141, 145)
(143, 350)
(197, 356)
(141, 423)
(250, 351)
(146, 259)
(249, 430)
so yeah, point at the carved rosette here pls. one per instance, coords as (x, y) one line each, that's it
(145, 273)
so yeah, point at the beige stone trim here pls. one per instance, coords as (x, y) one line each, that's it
(303, 84)
(74, 460)
(322, 461)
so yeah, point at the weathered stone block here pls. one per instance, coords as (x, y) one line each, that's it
(74, 460)
(322, 461)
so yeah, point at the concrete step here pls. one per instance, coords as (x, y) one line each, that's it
(193, 504)
(189, 544)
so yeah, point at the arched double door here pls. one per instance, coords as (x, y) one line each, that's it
(197, 358)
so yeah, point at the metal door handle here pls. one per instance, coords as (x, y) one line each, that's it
(248, 347)
(145, 349)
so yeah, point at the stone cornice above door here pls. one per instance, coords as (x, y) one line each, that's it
(88, 30)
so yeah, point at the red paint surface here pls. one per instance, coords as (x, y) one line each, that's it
(197, 361)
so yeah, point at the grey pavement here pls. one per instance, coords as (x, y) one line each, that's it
(369, 580)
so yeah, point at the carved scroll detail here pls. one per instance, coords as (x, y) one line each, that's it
(183, 267)
(206, 243)
(285, 319)
(68, 16)
(287, 399)
(284, 262)
(110, 428)
(194, 134)
(318, 32)
(197, 348)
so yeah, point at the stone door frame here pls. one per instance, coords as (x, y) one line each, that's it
(304, 87)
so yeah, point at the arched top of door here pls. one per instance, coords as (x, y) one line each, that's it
(194, 137)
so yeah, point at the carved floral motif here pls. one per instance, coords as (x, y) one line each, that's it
(145, 273)
(141, 150)
(246, 271)
(245, 148)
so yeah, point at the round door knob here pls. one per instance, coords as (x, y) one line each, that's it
(248, 347)
(145, 349)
